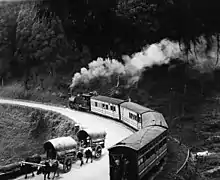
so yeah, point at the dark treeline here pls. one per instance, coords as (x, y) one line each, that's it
(180, 20)
(40, 39)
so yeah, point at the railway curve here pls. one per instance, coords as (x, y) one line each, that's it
(100, 168)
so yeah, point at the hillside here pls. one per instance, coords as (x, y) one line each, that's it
(23, 131)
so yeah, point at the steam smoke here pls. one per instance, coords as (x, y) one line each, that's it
(155, 54)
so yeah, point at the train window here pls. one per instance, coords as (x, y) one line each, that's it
(135, 117)
(103, 105)
(96, 104)
(106, 106)
(164, 142)
(132, 116)
(113, 108)
(140, 161)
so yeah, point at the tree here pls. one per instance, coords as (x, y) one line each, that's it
(8, 15)
(40, 41)
(25, 21)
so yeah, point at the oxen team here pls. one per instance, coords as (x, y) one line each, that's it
(51, 165)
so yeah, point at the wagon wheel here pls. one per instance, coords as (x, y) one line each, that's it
(98, 151)
(67, 165)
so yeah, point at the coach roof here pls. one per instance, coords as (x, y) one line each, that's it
(135, 107)
(108, 99)
(141, 138)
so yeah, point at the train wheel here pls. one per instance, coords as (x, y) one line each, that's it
(98, 152)
(67, 165)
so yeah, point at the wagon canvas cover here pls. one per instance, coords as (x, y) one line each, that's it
(60, 144)
(93, 133)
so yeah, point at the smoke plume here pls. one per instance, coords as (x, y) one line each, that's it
(132, 68)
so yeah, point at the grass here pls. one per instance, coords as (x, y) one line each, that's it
(176, 157)
(201, 132)
(17, 91)
(23, 131)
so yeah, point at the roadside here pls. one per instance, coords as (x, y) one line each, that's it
(24, 129)
(200, 132)
(177, 154)
(100, 168)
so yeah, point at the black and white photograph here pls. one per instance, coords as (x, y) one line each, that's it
(109, 90)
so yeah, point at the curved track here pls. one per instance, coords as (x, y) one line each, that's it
(98, 170)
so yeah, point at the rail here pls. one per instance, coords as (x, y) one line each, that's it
(187, 157)
(63, 106)
(184, 164)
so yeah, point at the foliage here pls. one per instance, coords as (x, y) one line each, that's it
(8, 14)
(40, 41)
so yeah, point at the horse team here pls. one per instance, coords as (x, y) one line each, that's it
(51, 165)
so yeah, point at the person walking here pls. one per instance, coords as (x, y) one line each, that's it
(80, 157)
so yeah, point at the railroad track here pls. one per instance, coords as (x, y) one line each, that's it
(154, 175)
(171, 167)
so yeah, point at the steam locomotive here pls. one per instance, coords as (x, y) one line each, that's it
(130, 113)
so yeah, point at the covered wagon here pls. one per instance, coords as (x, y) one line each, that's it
(63, 149)
(94, 138)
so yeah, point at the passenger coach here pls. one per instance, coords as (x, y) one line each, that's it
(136, 155)
(106, 106)
(139, 116)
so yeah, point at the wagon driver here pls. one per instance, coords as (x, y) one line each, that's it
(87, 141)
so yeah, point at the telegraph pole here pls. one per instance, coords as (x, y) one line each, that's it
(183, 101)
(170, 105)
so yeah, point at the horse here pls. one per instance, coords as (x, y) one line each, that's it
(50, 166)
(28, 168)
(79, 156)
(88, 154)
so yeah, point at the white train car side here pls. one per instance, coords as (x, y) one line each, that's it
(106, 106)
(139, 117)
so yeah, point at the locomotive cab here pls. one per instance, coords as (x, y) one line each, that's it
(81, 101)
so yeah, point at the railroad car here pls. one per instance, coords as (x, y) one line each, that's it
(136, 155)
(130, 113)
(106, 106)
(139, 117)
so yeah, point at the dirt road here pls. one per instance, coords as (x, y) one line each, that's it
(98, 170)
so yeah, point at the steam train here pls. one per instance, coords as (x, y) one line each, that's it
(136, 155)
(130, 113)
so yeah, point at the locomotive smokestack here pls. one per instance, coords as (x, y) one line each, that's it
(129, 99)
